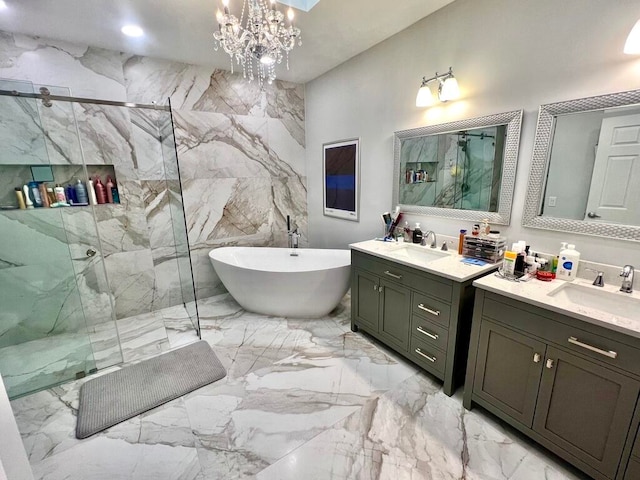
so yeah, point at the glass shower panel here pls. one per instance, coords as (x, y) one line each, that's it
(178, 218)
(43, 335)
(68, 163)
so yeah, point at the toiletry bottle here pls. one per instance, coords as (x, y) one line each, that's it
(20, 197)
(509, 263)
(81, 192)
(61, 197)
(485, 228)
(91, 193)
(568, 261)
(52, 196)
(461, 241)
(109, 186)
(115, 194)
(43, 195)
(27, 197)
(417, 234)
(35, 194)
(101, 191)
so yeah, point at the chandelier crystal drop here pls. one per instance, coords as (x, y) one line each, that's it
(258, 42)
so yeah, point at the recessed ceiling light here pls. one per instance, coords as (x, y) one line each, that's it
(3, 5)
(131, 30)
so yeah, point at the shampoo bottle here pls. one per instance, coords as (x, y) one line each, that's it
(568, 261)
(101, 191)
(91, 193)
(35, 194)
(109, 190)
(461, 241)
(81, 193)
(61, 196)
(20, 197)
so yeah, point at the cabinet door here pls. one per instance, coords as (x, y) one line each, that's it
(395, 316)
(585, 409)
(366, 299)
(508, 371)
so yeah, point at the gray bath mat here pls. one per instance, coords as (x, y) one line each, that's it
(115, 397)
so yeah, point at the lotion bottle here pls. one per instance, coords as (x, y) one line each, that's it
(417, 234)
(568, 261)
(92, 193)
(20, 197)
(27, 197)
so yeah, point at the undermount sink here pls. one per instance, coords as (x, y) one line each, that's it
(417, 253)
(614, 303)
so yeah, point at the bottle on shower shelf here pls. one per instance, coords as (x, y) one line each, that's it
(101, 191)
(110, 187)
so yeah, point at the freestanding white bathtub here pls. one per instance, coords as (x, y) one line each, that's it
(272, 282)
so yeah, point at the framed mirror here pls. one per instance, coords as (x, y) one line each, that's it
(585, 170)
(463, 170)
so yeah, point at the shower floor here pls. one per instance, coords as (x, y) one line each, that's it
(42, 363)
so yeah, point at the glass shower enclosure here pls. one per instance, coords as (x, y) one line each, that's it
(77, 280)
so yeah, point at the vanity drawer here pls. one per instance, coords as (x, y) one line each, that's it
(571, 334)
(404, 275)
(633, 470)
(427, 356)
(430, 308)
(429, 332)
(387, 270)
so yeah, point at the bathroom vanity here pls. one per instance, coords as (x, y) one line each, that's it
(560, 362)
(416, 300)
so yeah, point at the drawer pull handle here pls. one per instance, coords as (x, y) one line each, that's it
(431, 359)
(549, 363)
(606, 353)
(393, 275)
(427, 309)
(428, 334)
(536, 358)
(375, 288)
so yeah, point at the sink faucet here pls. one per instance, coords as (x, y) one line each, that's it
(627, 279)
(434, 243)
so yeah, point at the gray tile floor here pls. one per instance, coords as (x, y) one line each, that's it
(303, 399)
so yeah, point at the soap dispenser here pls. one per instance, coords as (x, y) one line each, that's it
(417, 234)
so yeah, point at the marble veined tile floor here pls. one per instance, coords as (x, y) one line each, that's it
(303, 399)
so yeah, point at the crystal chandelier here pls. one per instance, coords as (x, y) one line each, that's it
(261, 43)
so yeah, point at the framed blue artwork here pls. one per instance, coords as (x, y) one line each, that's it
(341, 164)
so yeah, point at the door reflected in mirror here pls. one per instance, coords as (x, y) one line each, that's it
(585, 170)
(594, 167)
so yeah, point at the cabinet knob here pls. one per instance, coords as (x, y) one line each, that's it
(380, 288)
(536, 358)
(549, 363)
(375, 288)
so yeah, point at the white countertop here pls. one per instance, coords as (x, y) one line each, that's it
(449, 266)
(536, 292)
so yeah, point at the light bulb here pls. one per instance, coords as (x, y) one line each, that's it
(449, 89)
(424, 97)
(290, 14)
(225, 3)
(132, 31)
(267, 59)
(3, 5)
(632, 45)
(219, 16)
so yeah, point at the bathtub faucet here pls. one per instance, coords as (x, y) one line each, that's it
(293, 235)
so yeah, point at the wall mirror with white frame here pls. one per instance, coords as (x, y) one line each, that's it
(462, 170)
(585, 171)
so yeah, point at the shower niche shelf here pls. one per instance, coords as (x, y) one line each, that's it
(17, 175)
(417, 173)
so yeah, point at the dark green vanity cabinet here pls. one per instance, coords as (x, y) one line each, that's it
(422, 316)
(571, 386)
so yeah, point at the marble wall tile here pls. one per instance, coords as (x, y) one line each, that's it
(213, 145)
(160, 205)
(87, 71)
(285, 101)
(147, 140)
(168, 278)
(151, 80)
(285, 147)
(21, 132)
(132, 281)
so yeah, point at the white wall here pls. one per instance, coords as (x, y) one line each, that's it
(507, 55)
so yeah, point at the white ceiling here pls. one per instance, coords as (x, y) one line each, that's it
(332, 32)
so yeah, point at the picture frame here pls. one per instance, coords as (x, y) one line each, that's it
(341, 179)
